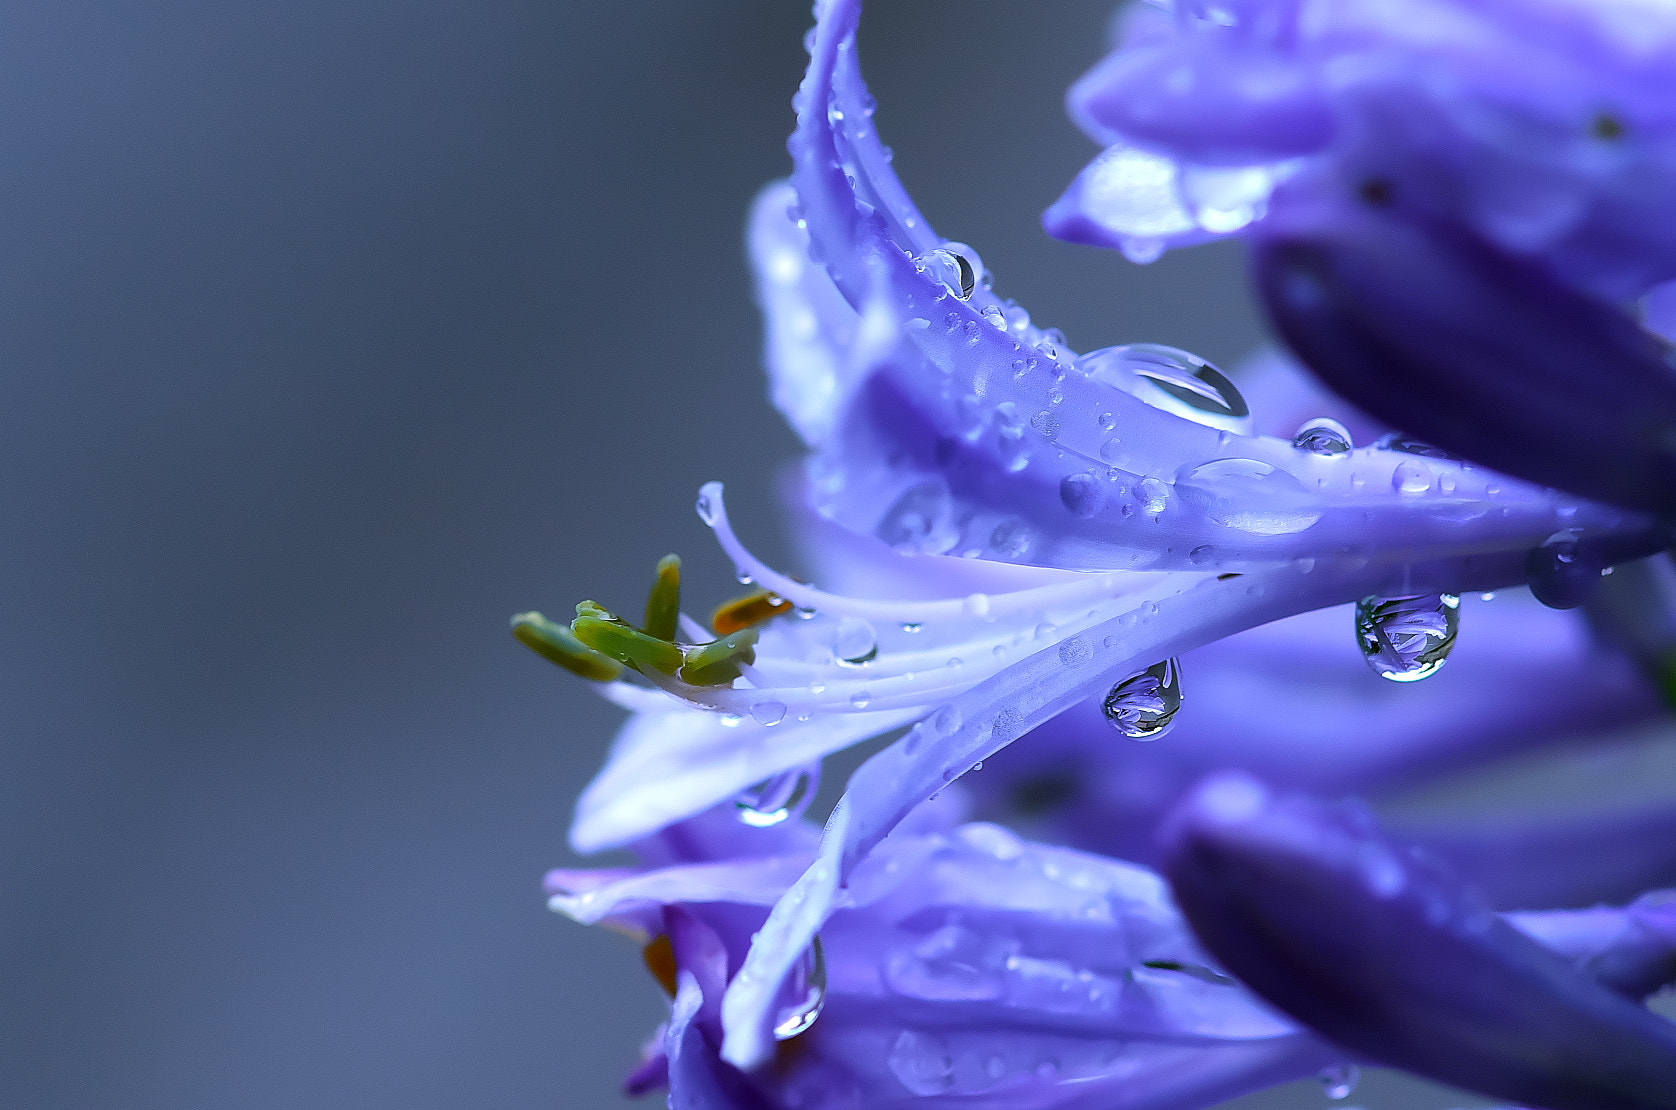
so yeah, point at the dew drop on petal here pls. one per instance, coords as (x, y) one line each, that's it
(911, 626)
(804, 993)
(706, 507)
(954, 266)
(778, 798)
(1144, 706)
(1153, 494)
(1339, 1080)
(1411, 477)
(1174, 380)
(769, 712)
(1408, 637)
(1250, 496)
(1322, 436)
(855, 643)
(1083, 495)
(1562, 573)
(861, 699)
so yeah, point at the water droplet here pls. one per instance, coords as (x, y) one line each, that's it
(1411, 477)
(1144, 706)
(778, 798)
(1172, 379)
(1250, 496)
(1083, 495)
(855, 643)
(706, 506)
(1323, 436)
(1153, 495)
(861, 699)
(770, 712)
(1563, 574)
(805, 988)
(1107, 421)
(730, 720)
(1046, 424)
(1488, 595)
(911, 626)
(1340, 1079)
(1010, 539)
(946, 721)
(1405, 444)
(954, 266)
(1408, 637)
(744, 577)
(1018, 317)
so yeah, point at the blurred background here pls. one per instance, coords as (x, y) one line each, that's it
(332, 334)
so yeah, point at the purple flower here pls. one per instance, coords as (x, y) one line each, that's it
(1029, 557)
(1453, 206)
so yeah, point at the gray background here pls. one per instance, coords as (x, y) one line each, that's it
(332, 333)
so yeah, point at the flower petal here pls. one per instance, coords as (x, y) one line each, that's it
(1385, 954)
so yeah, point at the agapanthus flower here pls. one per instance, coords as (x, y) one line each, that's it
(1139, 588)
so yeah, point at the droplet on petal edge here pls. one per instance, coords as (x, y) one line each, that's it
(1323, 436)
(1408, 637)
(778, 798)
(1144, 706)
(806, 986)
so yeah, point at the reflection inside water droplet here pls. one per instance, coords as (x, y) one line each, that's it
(1322, 436)
(1144, 706)
(778, 798)
(1409, 637)
(804, 993)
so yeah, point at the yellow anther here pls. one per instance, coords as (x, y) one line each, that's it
(747, 611)
(663, 606)
(555, 642)
(659, 955)
(601, 631)
(718, 663)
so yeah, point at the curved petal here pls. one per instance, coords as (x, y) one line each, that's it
(1386, 954)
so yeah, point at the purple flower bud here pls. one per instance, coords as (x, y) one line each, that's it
(1385, 953)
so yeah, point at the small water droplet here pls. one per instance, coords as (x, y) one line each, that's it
(730, 720)
(770, 712)
(706, 507)
(855, 643)
(1144, 706)
(1323, 436)
(779, 797)
(1411, 477)
(1407, 637)
(911, 626)
(1563, 573)
(861, 699)
(946, 721)
(1339, 1080)
(1107, 421)
(1405, 444)
(1153, 495)
(1046, 424)
(1083, 495)
(1488, 595)
(805, 988)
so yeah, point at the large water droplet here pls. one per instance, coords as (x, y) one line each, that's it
(1152, 495)
(1174, 380)
(855, 642)
(804, 992)
(954, 266)
(1407, 638)
(778, 798)
(1563, 574)
(1144, 706)
(1322, 436)
(1339, 1080)
(1411, 477)
(1250, 495)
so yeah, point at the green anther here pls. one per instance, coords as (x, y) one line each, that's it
(623, 643)
(663, 606)
(717, 663)
(555, 642)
